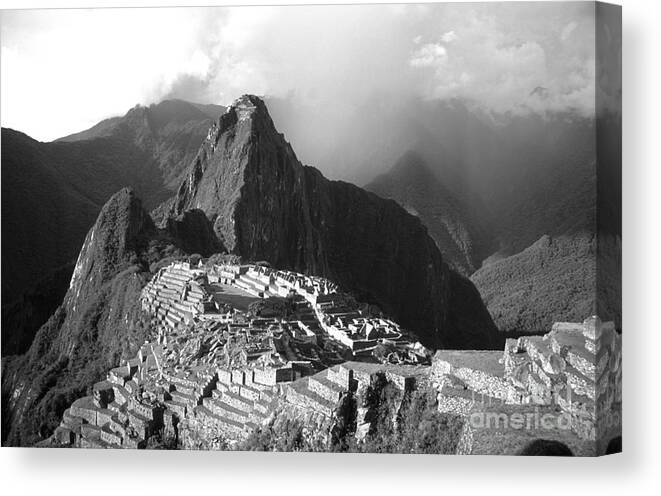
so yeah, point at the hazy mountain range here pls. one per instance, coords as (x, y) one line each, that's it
(245, 193)
(481, 226)
(485, 189)
(462, 236)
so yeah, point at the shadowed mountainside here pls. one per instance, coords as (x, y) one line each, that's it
(170, 131)
(22, 318)
(52, 192)
(99, 321)
(462, 239)
(553, 280)
(571, 203)
(525, 175)
(547, 178)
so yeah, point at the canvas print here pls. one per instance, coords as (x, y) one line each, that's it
(349, 228)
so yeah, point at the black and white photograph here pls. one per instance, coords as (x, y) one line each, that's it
(378, 228)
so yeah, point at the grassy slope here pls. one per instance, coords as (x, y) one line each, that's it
(552, 280)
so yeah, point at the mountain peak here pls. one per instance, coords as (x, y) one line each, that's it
(251, 108)
(248, 102)
(121, 206)
(117, 233)
(242, 144)
(413, 166)
(413, 184)
(409, 171)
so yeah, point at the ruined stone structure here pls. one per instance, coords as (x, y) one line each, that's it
(211, 410)
(214, 372)
(564, 386)
(181, 296)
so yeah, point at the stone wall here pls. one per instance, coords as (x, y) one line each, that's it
(574, 372)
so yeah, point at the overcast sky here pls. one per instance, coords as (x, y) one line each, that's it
(64, 70)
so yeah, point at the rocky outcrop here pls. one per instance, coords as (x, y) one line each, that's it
(463, 242)
(265, 205)
(121, 230)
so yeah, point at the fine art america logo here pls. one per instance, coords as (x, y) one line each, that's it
(537, 418)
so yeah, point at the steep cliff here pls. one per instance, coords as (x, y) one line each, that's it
(463, 241)
(265, 205)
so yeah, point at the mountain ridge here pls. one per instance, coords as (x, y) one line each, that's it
(52, 192)
(557, 278)
(458, 234)
(161, 113)
(336, 229)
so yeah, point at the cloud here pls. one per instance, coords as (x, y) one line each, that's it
(495, 56)
(64, 70)
(449, 37)
(568, 30)
(429, 55)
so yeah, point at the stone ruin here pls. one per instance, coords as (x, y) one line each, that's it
(181, 296)
(564, 386)
(209, 410)
(212, 374)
